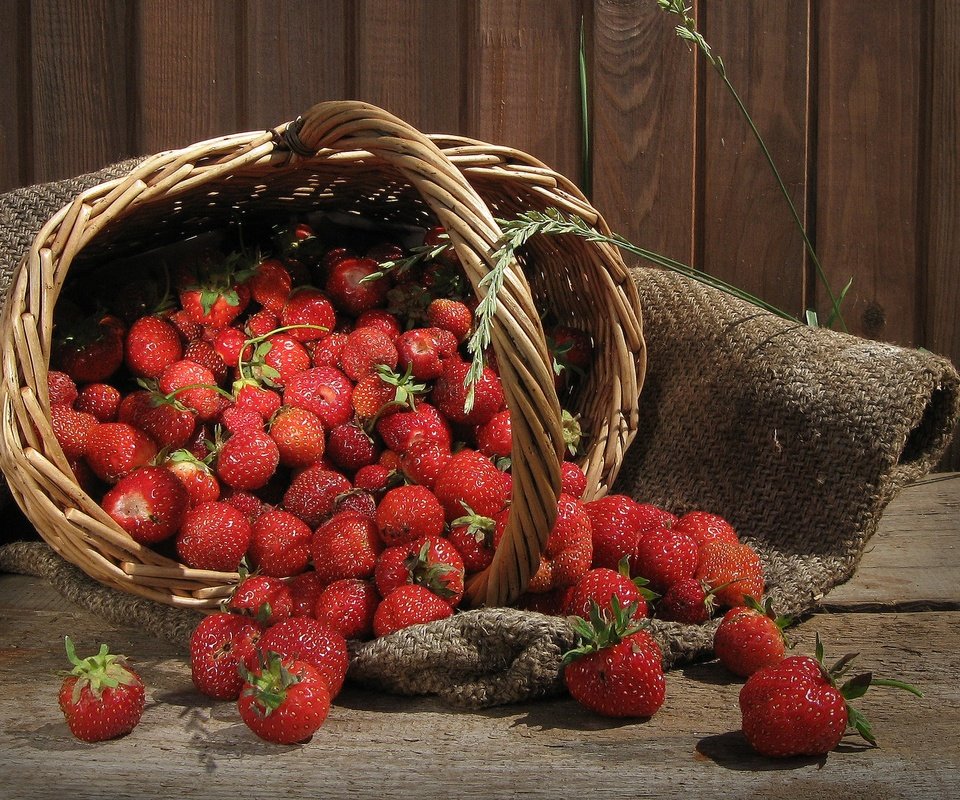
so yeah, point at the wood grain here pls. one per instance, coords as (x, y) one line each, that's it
(868, 151)
(14, 38)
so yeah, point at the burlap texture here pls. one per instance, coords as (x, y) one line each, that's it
(800, 437)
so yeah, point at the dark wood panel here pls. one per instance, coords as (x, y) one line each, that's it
(868, 132)
(12, 103)
(749, 236)
(524, 85)
(408, 60)
(644, 120)
(186, 71)
(296, 55)
(78, 79)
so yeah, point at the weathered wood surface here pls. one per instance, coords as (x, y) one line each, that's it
(374, 745)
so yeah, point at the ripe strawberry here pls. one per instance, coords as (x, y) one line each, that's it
(567, 555)
(61, 388)
(149, 503)
(213, 536)
(403, 430)
(423, 352)
(215, 294)
(325, 391)
(572, 351)
(270, 285)
(664, 557)
(688, 601)
(616, 523)
(311, 311)
(202, 352)
(430, 561)
(162, 417)
(351, 290)
(115, 449)
(326, 352)
(470, 480)
(252, 396)
(795, 706)
(600, 585)
(384, 392)
(348, 605)
(473, 535)
(276, 359)
(312, 493)
(703, 527)
(350, 447)
(102, 698)
(345, 546)
(247, 503)
(750, 637)
(195, 475)
(152, 345)
(364, 350)
(736, 565)
(407, 513)
(262, 323)
(230, 344)
(262, 597)
(91, 350)
(408, 605)
(617, 670)
(280, 544)
(194, 386)
(495, 438)
(235, 419)
(100, 399)
(310, 640)
(305, 587)
(374, 478)
(451, 315)
(284, 700)
(381, 319)
(247, 460)
(72, 429)
(450, 394)
(357, 499)
(573, 481)
(423, 462)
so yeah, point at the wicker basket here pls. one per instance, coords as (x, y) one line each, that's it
(353, 158)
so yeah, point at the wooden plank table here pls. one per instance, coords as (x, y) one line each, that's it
(901, 612)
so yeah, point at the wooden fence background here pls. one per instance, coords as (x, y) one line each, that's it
(857, 99)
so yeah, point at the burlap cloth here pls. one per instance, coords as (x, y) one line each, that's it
(800, 437)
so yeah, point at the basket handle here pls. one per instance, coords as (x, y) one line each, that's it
(518, 337)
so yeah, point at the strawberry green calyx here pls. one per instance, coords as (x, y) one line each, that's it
(104, 670)
(216, 281)
(572, 432)
(603, 630)
(268, 686)
(407, 389)
(478, 526)
(623, 567)
(780, 620)
(432, 575)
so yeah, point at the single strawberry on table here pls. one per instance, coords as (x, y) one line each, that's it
(102, 698)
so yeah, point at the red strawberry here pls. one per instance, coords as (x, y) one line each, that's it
(276, 359)
(152, 345)
(688, 601)
(403, 430)
(364, 350)
(229, 344)
(471, 481)
(270, 285)
(451, 395)
(350, 447)
(573, 481)
(617, 670)
(473, 535)
(195, 475)
(263, 597)
(451, 315)
(736, 566)
(750, 637)
(345, 546)
(495, 438)
(262, 323)
(194, 386)
(149, 503)
(100, 399)
(374, 478)
(216, 294)
(280, 544)
(567, 555)
(203, 353)
(703, 527)
(284, 700)
(247, 503)
(350, 288)
(423, 462)
(325, 391)
(381, 319)
(305, 587)
(326, 352)
(664, 557)
(409, 605)
(248, 459)
(90, 351)
(213, 536)
(72, 429)
(309, 640)
(102, 698)
(166, 420)
(795, 707)
(254, 397)
(600, 585)
(115, 449)
(572, 351)
(423, 352)
(235, 419)
(312, 493)
(348, 605)
(407, 513)
(431, 562)
(357, 499)
(311, 312)
(61, 388)
(615, 521)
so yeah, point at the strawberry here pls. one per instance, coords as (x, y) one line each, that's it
(795, 706)
(276, 359)
(451, 315)
(407, 513)
(384, 392)
(615, 522)
(423, 351)
(263, 597)
(214, 536)
(271, 284)
(90, 351)
(305, 588)
(247, 503)
(205, 354)
(600, 585)
(152, 345)
(312, 492)
(345, 546)
(573, 481)
(423, 462)
(248, 459)
(495, 438)
(72, 429)
(100, 399)
(408, 605)
(115, 449)
(325, 391)
(473, 536)
(162, 417)
(194, 386)
(357, 499)
(736, 565)
(568, 552)
(703, 527)
(348, 605)
(103, 697)
(350, 447)
(688, 601)
(431, 562)
(234, 419)
(284, 700)
(617, 669)
(252, 396)
(572, 351)
(664, 557)
(451, 395)
(374, 478)
(364, 350)
(470, 480)
(403, 430)
(750, 637)
(326, 352)
(216, 294)
(280, 544)
(262, 323)
(310, 640)
(230, 344)
(311, 312)
(149, 503)
(349, 286)
(61, 388)
(381, 319)
(219, 645)
(195, 475)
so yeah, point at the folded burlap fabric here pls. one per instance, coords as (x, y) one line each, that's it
(800, 437)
